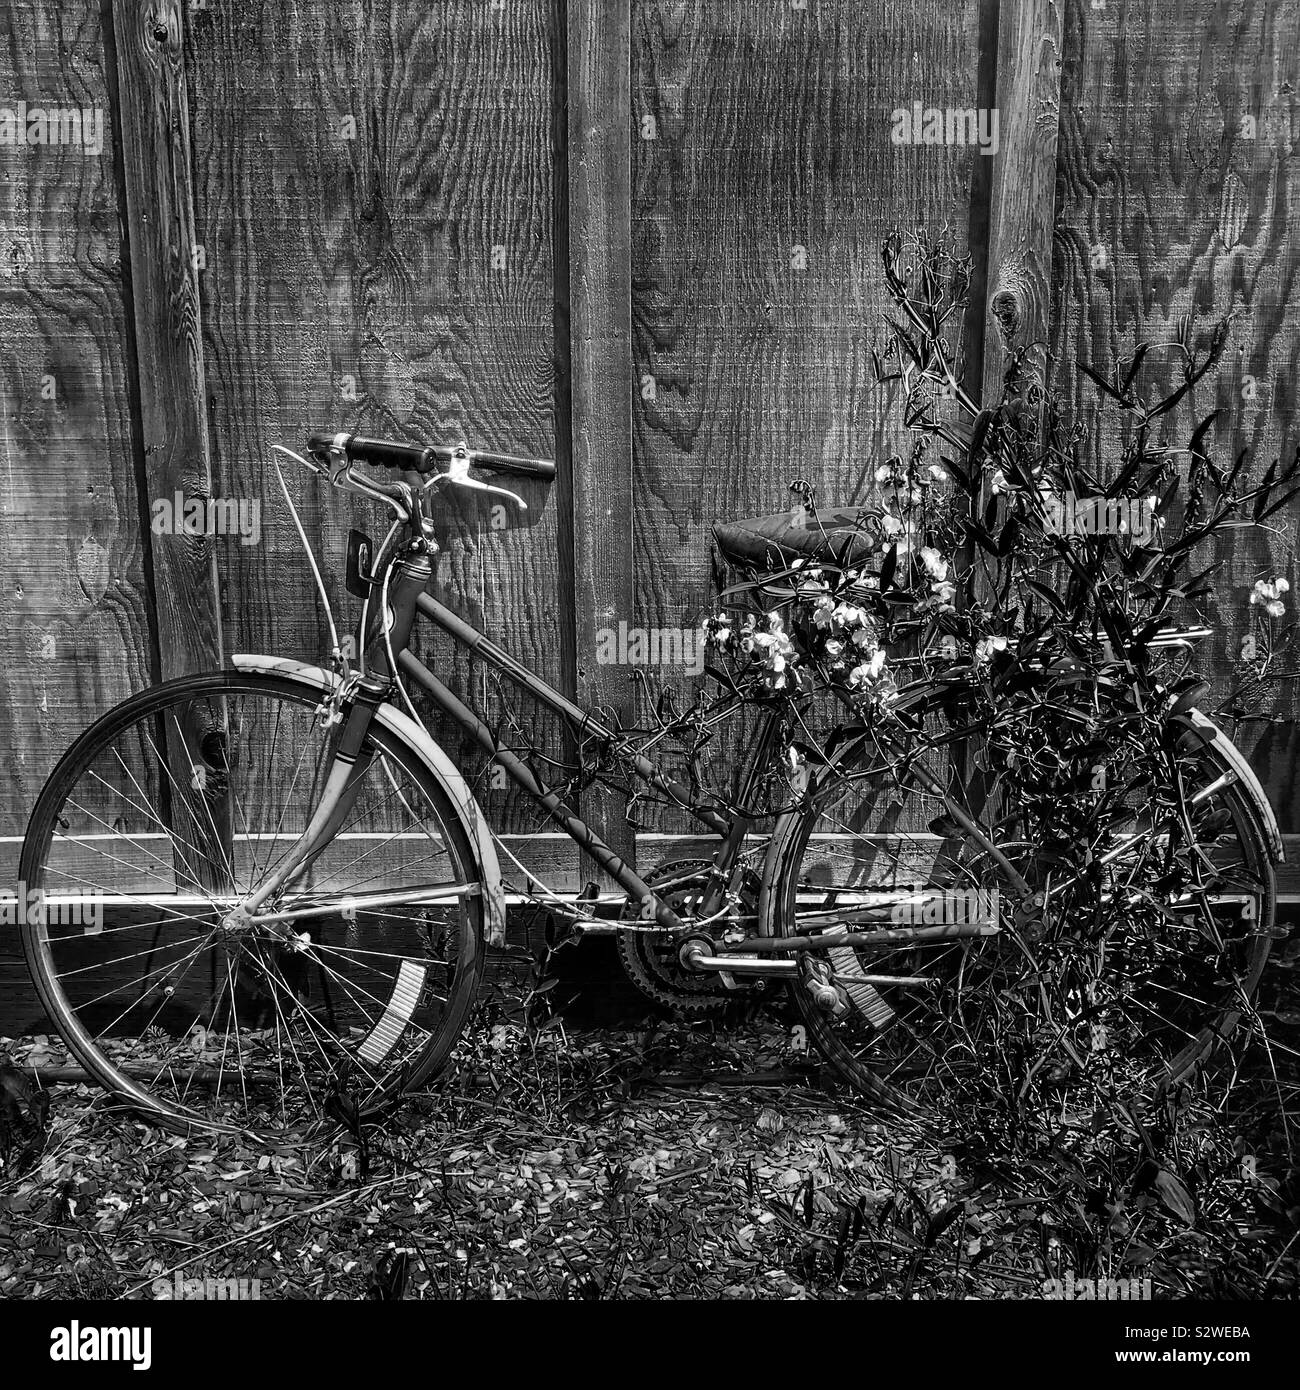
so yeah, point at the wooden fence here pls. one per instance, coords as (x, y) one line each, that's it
(640, 236)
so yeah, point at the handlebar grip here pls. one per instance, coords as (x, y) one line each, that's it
(512, 464)
(386, 453)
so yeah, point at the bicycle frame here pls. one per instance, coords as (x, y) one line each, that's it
(403, 589)
(407, 601)
(581, 723)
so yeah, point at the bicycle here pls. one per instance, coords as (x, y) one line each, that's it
(295, 885)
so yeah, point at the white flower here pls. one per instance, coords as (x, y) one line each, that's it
(870, 670)
(986, 646)
(833, 649)
(998, 482)
(897, 533)
(848, 615)
(939, 475)
(1267, 595)
(935, 565)
(944, 594)
(822, 611)
(884, 473)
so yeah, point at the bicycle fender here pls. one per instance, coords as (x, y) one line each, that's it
(440, 767)
(1235, 760)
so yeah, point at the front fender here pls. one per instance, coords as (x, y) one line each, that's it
(439, 765)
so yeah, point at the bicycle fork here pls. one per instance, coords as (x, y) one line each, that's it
(350, 760)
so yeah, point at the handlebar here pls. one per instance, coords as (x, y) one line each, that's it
(388, 453)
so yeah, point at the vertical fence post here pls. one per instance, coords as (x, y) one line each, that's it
(599, 34)
(153, 115)
(1023, 202)
(165, 257)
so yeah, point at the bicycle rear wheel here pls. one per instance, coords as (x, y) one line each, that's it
(1116, 970)
(154, 825)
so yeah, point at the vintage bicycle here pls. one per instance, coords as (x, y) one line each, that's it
(295, 885)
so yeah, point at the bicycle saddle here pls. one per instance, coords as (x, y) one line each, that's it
(772, 542)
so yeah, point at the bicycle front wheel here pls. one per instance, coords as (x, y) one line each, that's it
(348, 987)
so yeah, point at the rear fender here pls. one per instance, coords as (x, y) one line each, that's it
(1233, 758)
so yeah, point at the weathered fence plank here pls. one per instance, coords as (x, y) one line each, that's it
(767, 172)
(375, 199)
(153, 109)
(600, 322)
(74, 609)
(1022, 205)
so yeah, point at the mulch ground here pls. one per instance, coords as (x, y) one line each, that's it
(672, 1161)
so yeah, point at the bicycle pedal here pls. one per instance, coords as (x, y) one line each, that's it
(848, 972)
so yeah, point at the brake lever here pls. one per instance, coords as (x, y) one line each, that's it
(458, 475)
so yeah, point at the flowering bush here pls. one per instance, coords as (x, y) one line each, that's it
(973, 573)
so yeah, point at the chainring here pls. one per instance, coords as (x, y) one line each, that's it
(650, 959)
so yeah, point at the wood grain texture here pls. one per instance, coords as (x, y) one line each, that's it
(765, 178)
(74, 608)
(1022, 206)
(375, 197)
(153, 109)
(600, 322)
(1179, 201)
